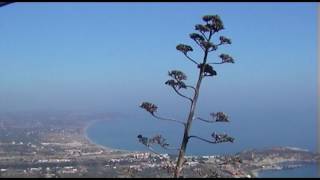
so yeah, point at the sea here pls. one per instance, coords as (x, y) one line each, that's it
(121, 134)
(306, 171)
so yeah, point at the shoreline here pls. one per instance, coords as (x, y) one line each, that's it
(84, 133)
(258, 171)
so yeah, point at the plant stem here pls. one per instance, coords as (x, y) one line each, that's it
(185, 139)
(186, 130)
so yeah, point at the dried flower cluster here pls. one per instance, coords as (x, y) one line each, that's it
(214, 22)
(220, 117)
(224, 40)
(184, 48)
(208, 45)
(220, 138)
(177, 81)
(151, 108)
(200, 40)
(177, 75)
(226, 58)
(202, 28)
(208, 70)
(196, 37)
(158, 139)
(176, 84)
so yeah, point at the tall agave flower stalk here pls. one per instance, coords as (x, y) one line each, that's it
(203, 39)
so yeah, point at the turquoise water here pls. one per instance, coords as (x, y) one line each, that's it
(307, 171)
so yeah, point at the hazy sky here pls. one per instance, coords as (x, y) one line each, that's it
(112, 56)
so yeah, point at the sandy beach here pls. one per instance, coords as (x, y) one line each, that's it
(86, 136)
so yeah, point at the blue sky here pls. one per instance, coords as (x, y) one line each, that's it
(112, 56)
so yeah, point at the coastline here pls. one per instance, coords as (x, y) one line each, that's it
(85, 135)
(256, 172)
